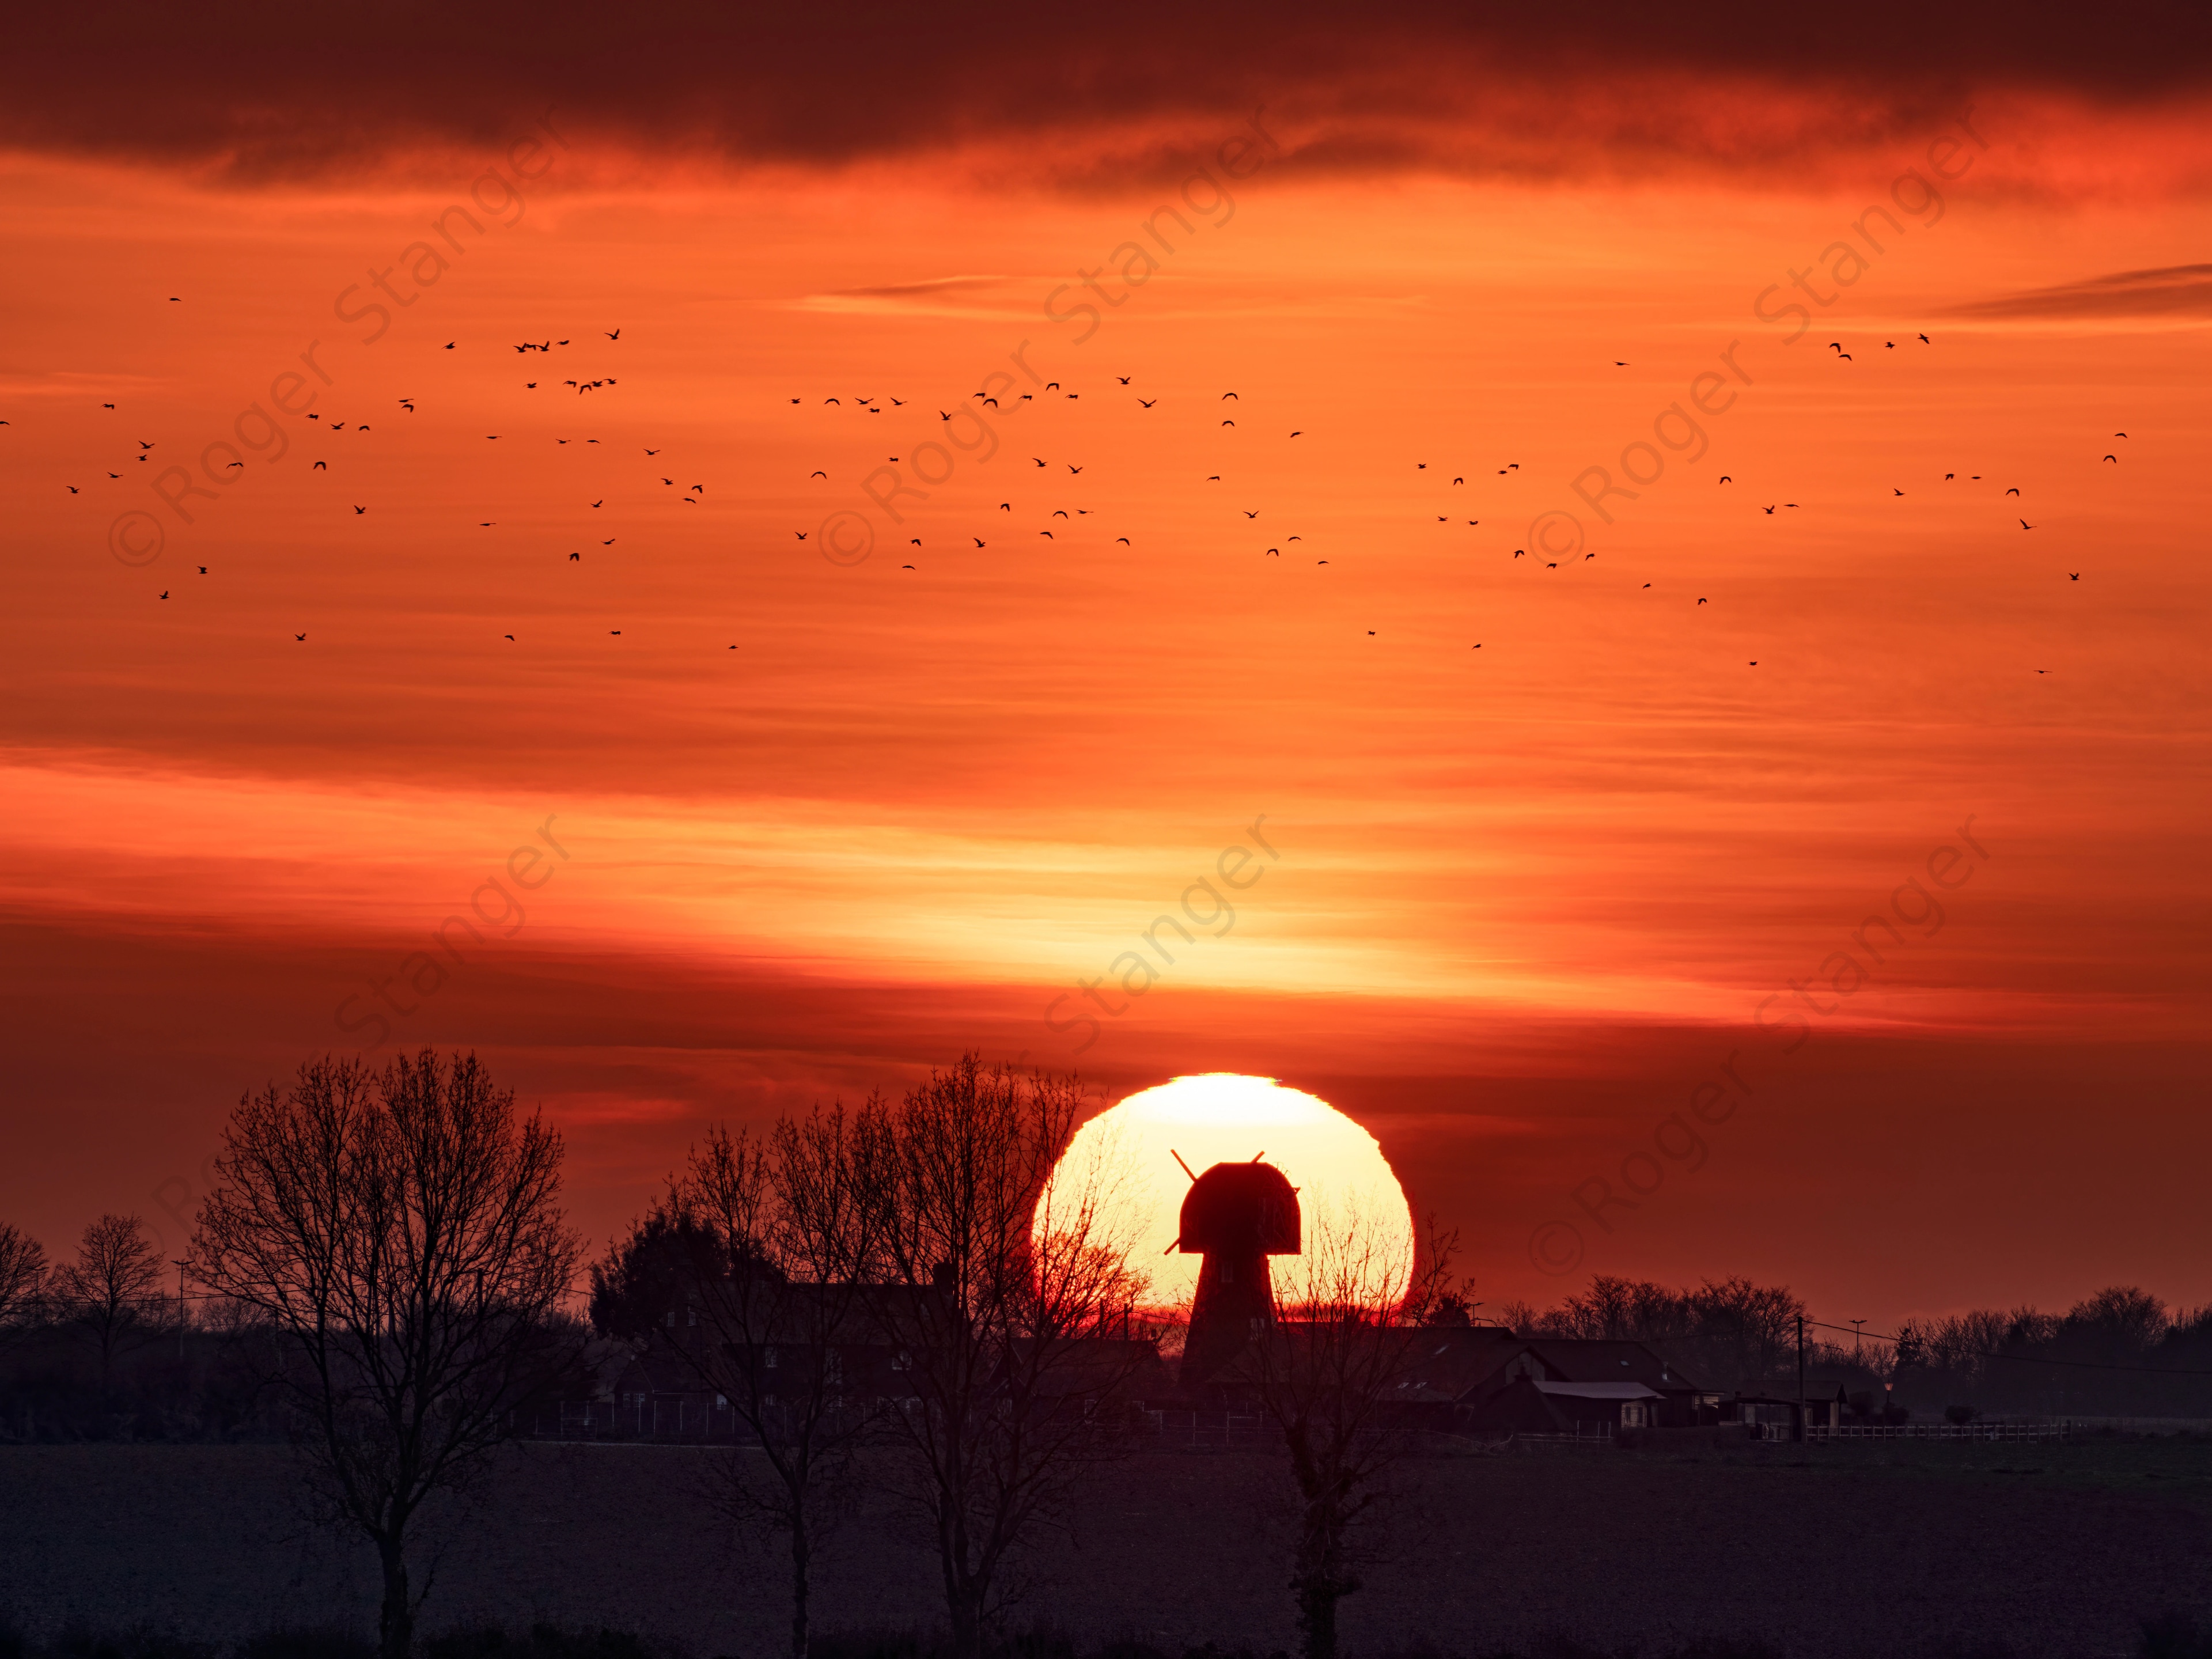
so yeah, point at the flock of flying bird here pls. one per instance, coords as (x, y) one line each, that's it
(692, 495)
(407, 406)
(873, 406)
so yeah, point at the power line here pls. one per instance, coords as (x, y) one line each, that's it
(2028, 1358)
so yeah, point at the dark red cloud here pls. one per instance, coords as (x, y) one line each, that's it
(268, 89)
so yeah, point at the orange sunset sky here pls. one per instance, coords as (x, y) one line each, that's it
(1557, 801)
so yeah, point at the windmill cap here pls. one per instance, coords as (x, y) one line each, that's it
(1240, 1208)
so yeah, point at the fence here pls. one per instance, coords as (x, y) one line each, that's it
(681, 1420)
(1598, 1437)
(1166, 1430)
(673, 1419)
(1919, 1432)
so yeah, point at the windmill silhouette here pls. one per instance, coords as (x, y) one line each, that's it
(1235, 1216)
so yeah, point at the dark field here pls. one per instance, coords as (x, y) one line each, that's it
(1849, 1551)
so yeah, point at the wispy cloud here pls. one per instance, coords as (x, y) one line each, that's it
(936, 296)
(905, 290)
(2179, 292)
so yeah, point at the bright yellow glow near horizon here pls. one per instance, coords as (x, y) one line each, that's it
(1223, 1117)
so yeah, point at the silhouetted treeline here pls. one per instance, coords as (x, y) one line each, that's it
(210, 1373)
(2122, 1353)
(1728, 1333)
(91, 1348)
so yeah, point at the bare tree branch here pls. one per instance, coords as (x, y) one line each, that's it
(401, 1233)
(1012, 1279)
(1328, 1377)
(23, 1282)
(110, 1290)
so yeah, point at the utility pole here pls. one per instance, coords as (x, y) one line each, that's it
(1857, 1330)
(181, 1261)
(1800, 1377)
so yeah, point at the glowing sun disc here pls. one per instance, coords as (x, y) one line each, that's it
(1224, 1117)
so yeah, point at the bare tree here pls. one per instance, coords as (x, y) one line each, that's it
(401, 1237)
(1729, 1331)
(23, 1284)
(1745, 1328)
(110, 1290)
(787, 1333)
(1011, 1276)
(1328, 1377)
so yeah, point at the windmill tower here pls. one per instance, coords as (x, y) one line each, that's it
(1234, 1216)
